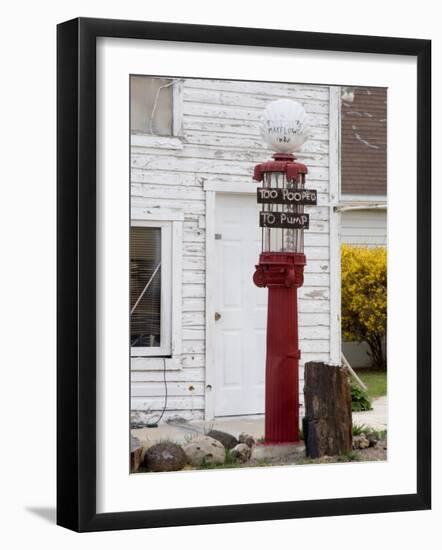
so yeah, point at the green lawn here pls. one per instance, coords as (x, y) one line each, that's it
(375, 380)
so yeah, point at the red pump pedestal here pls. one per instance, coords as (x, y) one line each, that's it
(282, 273)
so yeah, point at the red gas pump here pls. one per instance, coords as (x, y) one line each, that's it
(281, 262)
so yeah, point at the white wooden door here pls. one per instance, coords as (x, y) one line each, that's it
(240, 331)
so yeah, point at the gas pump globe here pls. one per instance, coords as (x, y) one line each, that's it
(282, 219)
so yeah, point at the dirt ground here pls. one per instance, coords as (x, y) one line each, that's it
(375, 453)
(379, 452)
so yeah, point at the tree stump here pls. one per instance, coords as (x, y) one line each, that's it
(327, 424)
(136, 453)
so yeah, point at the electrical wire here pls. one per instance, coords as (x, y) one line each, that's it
(154, 424)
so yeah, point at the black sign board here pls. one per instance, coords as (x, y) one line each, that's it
(270, 195)
(284, 220)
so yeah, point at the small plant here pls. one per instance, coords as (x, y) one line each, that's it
(230, 462)
(347, 457)
(229, 458)
(208, 427)
(188, 438)
(380, 434)
(359, 429)
(359, 398)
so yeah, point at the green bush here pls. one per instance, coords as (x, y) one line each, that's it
(359, 398)
(364, 299)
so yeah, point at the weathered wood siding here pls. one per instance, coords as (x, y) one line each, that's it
(221, 139)
(364, 227)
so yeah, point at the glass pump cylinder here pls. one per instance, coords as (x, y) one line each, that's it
(276, 239)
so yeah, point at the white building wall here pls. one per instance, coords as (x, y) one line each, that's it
(364, 227)
(221, 143)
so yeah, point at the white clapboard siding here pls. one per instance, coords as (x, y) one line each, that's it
(237, 127)
(174, 389)
(312, 153)
(189, 374)
(165, 179)
(364, 227)
(247, 143)
(237, 99)
(221, 145)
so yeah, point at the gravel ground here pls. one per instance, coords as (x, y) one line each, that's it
(376, 453)
(379, 452)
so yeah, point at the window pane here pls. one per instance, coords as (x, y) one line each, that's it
(151, 105)
(145, 286)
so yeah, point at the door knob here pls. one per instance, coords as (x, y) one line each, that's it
(217, 316)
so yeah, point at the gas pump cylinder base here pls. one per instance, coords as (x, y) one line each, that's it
(283, 269)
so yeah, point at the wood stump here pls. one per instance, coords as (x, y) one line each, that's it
(136, 453)
(327, 424)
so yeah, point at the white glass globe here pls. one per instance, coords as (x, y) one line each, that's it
(284, 126)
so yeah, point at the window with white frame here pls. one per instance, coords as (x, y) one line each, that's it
(155, 106)
(151, 283)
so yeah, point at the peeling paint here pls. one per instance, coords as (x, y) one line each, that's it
(316, 294)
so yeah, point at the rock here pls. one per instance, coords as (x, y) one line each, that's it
(241, 452)
(165, 457)
(249, 440)
(145, 444)
(360, 442)
(372, 439)
(136, 453)
(325, 459)
(226, 439)
(205, 450)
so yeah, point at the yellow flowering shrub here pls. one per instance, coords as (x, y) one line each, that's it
(364, 298)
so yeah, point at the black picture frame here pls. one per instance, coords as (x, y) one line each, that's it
(76, 273)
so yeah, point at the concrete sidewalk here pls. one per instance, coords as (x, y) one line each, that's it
(253, 425)
(182, 432)
(376, 418)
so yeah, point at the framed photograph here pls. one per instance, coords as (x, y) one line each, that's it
(232, 205)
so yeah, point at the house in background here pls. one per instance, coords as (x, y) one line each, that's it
(198, 323)
(363, 198)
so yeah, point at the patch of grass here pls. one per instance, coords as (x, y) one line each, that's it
(378, 434)
(308, 460)
(261, 462)
(229, 462)
(375, 380)
(348, 457)
(359, 429)
(211, 466)
(382, 434)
